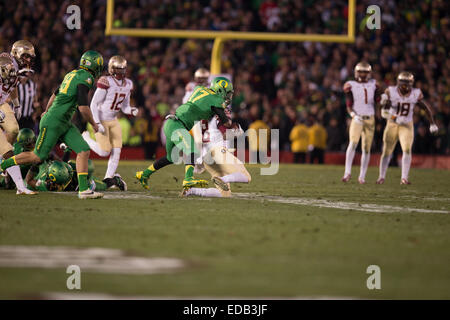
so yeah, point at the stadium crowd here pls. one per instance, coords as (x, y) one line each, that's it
(294, 87)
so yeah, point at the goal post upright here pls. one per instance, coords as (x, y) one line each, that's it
(221, 36)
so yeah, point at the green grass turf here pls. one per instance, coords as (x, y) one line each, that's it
(242, 247)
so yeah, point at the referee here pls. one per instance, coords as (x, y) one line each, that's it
(28, 103)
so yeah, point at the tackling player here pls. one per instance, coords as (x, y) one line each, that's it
(203, 104)
(225, 167)
(8, 80)
(111, 96)
(201, 77)
(56, 121)
(360, 95)
(398, 108)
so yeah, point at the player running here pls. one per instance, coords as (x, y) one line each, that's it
(203, 104)
(56, 121)
(224, 168)
(8, 81)
(398, 108)
(361, 95)
(201, 77)
(111, 96)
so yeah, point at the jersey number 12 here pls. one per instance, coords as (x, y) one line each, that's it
(117, 102)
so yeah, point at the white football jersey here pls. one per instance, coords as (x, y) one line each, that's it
(117, 94)
(403, 106)
(363, 96)
(5, 90)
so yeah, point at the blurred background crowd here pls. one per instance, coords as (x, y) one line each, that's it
(294, 87)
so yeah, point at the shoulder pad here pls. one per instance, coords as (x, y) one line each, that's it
(103, 83)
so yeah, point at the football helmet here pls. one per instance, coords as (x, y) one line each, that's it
(8, 71)
(405, 81)
(58, 175)
(224, 88)
(26, 139)
(201, 76)
(23, 52)
(363, 71)
(117, 67)
(92, 61)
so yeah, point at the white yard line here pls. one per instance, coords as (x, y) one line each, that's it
(321, 203)
(99, 260)
(105, 296)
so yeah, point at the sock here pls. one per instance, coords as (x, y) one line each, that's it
(113, 162)
(235, 177)
(406, 164)
(349, 155)
(8, 163)
(83, 181)
(202, 192)
(189, 171)
(95, 147)
(365, 158)
(16, 176)
(384, 164)
(158, 164)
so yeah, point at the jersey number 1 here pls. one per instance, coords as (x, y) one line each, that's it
(116, 102)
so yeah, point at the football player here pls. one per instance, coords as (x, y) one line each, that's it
(201, 77)
(398, 104)
(360, 95)
(111, 96)
(224, 168)
(8, 80)
(22, 55)
(50, 176)
(203, 104)
(56, 122)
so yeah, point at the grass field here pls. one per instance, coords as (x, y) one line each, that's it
(300, 233)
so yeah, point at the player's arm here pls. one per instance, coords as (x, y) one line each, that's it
(429, 114)
(30, 177)
(220, 112)
(83, 105)
(14, 96)
(50, 101)
(127, 108)
(349, 99)
(385, 104)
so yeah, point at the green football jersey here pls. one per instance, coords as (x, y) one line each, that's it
(198, 107)
(65, 103)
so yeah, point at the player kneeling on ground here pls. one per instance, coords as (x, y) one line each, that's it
(221, 163)
(398, 108)
(56, 122)
(111, 96)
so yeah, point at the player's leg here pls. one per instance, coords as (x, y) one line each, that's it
(6, 152)
(230, 169)
(75, 141)
(354, 135)
(9, 123)
(101, 145)
(390, 137)
(406, 137)
(366, 145)
(115, 139)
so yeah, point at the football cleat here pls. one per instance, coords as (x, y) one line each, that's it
(361, 181)
(220, 183)
(143, 180)
(346, 178)
(192, 182)
(120, 182)
(380, 181)
(26, 192)
(405, 181)
(89, 194)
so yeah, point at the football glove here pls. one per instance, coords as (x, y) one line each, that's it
(134, 111)
(385, 113)
(18, 112)
(101, 128)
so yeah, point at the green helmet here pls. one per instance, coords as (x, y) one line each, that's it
(223, 87)
(26, 139)
(69, 169)
(93, 61)
(58, 174)
(91, 166)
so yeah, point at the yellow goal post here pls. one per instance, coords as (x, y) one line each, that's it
(221, 36)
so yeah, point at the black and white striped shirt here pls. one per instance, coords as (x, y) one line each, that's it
(26, 91)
